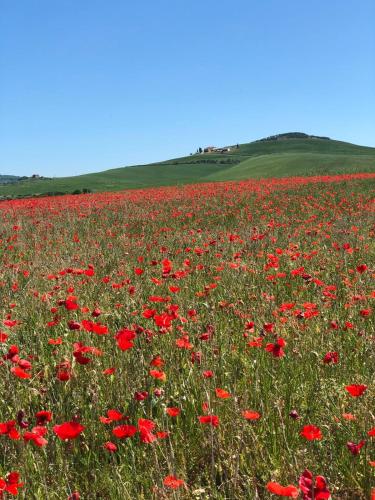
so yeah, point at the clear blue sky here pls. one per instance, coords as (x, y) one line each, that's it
(87, 85)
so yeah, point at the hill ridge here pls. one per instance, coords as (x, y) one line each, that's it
(283, 156)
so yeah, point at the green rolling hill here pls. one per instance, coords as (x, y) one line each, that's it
(280, 156)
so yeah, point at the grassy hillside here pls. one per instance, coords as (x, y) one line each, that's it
(271, 158)
(287, 164)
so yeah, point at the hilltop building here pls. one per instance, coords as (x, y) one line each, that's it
(213, 149)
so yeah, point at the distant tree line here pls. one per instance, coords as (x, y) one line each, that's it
(292, 135)
(47, 193)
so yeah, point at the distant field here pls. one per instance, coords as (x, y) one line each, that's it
(277, 158)
(287, 164)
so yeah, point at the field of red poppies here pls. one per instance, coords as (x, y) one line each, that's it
(207, 341)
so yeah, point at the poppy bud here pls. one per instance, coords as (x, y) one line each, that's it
(141, 396)
(196, 357)
(24, 424)
(74, 325)
(294, 415)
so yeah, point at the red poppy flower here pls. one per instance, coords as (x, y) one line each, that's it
(124, 339)
(163, 320)
(309, 491)
(184, 343)
(112, 416)
(11, 484)
(222, 393)
(209, 419)
(173, 482)
(43, 416)
(256, 342)
(109, 371)
(365, 312)
(371, 432)
(355, 448)
(161, 434)
(277, 348)
(109, 446)
(349, 416)
(356, 390)
(145, 428)
(74, 496)
(331, 357)
(148, 313)
(268, 327)
(157, 361)
(282, 491)
(9, 429)
(37, 436)
(3, 337)
(361, 268)
(64, 371)
(71, 304)
(124, 431)
(173, 412)
(57, 341)
(68, 430)
(19, 372)
(311, 433)
(145, 425)
(251, 415)
(158, 374)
